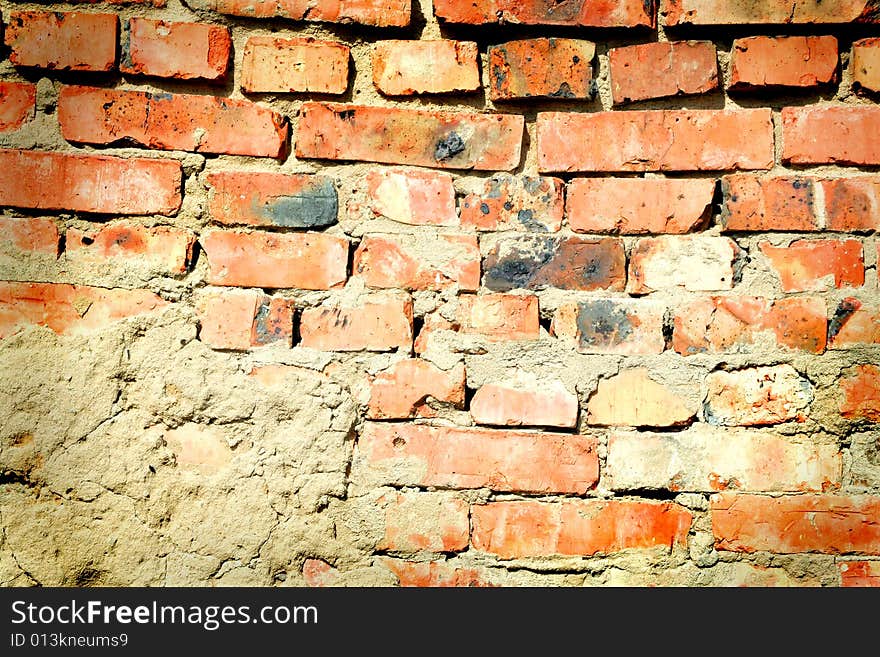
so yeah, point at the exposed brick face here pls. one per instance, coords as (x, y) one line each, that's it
(771, 12)
(404, 68)
(294, 65)
(549, 68)
(633, 398)
(412, 196)
(662, 69)
(509, 202)
(756, 396)
(379, 323)
(62, 41)
(830, 135)
(696, 263)
(405, 389)
(164, 249)
(499, 316)
(866, 64)
(17, 101)
(186, 51)
(378, 13)
(241, 319)
(860, 393)
(587, 13)
(525, 403)
(612, 326)
(810, 266)
(793, 61)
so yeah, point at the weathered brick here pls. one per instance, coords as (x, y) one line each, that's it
(17, 104)
(241, 319)
(577, 527)
(434, 574)
(62, 41)
(704, 459)
(304, 64)
(586, 13)
(852, 203)
(377, 323)
(308, 261)
(379, 13)
(789, 61)
(830, 134)
(853, 323)
(816, 265)
(203, 124)
(633, 398)
(422, 262)
(612, 326)
(860, 393)
(536, 262)
(29, 234)
(859, 573)
(514, 461)
(542, 68)
(70, 309)
(198, 448)
(89, 183)
(499, 317)
(318, 573)
(403, 390)
(510, 202)
(393, 135)
(756, 396)
(164, 249)
(525, 401)
(406, 67)
(866, 64)
(744, 324)
(655, 140)
(185, 51)
(767, 12)
(412, 196)
(437, 522)
(662, 69)
(753, 203)
(432, 324)
(694, 262)
(272, 199)
(828, 524)
(632, 206)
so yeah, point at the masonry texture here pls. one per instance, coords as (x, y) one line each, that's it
(450, 293)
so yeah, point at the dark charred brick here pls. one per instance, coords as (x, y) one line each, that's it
(612, 325)
(524, 203)
(841, 316)
(273, 321)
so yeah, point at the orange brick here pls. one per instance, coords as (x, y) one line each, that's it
(524, 401)
(816, 265)
(791, 61)
(380, 13)
(437, 522)
(860, 393)
(435, 574)
(694, 262)
(307, 261)
(499, 317)
(404, 68)
(393, 135)
(186, 51)
(866, 64)
(202, 124)
(633, 398)
(514, 461)
(403, 390)
(632, 206)
(662, 69)
(753, 203)
(377, 323)
(318, 573)
(852, 203)
(577, 527)
(587, 13)
(254, 198)
(241, 319)
(421, 262)
(655, 140)
(723, 324)
(542, 68)
(859, 573)
(294, 65)
(612, 326)
(831, 134)
(852, 324)
(828, 524)
(89, 183)
(431, 325)
(756, 396)
(509, 202)
(412, 196)
(766, 12)
(166, 249)
(17, 104)
(70, 309)
(29, 234)
(62, 41)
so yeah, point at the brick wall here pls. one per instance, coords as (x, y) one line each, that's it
(455, 293)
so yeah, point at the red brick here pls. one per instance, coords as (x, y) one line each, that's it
(632, 206)
(828, 524)
(393, 135)
(318, 573)
(412, 196)
(70, 309)
(852, 203)
(202, 124)
(542, 68)
(790, 61)
(662, 69)
(859, 573)
(241, 319)
(418, 262)
(403, 390)
(587, 13)
(380, 13)
(852, 324)
(694, 262)
(866, 64)
(577, 527)
(186, 51)
(435, 574)
(767, 12)
(166, 249)
(705, 459)
(509, 202)
(525, 401)
(655, 140)
(62, 41)
(437, 522)
(450, 457)
(499, 317)
(816, 265)
(535, 262)
(377, 323)
(294, 65)
(89, 183)
(860, 393)
(725, 324)
(307, 261)
(258, 198)
(404, 68)
(756, 396)
(753, 203)
(612, 326)
(633, 398)
(831, 134)
(17, 104)
(27, 234)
